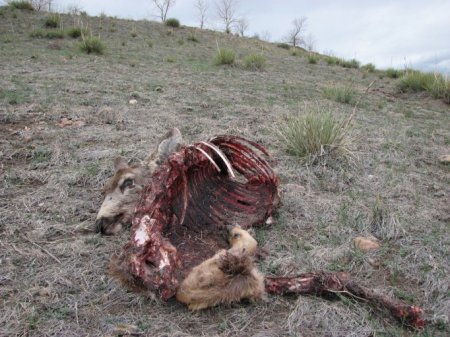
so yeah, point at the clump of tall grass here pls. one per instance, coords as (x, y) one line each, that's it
(369, 67)
(416, 81)
(21, 5)
(353, 63)
(440, 88)
(47, 34)
(52, 21)
(76, 32)
(341, 94)
(435, 84)
(224, 56)
(283, 46)
(312, 59)
(92, 45)
(333, 60)
(394, 73)
(255, 62)
(317, 135)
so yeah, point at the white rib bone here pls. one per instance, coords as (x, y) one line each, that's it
(209, 158)
(222, 156)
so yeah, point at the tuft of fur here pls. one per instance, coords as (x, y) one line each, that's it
(227, 277)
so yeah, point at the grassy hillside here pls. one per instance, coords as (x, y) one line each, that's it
(65, 115)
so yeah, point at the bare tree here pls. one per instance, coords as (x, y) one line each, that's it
(241, 26)
(226, 11)
(295, 35)
(40, 5)
(74, 9)
(202, 8)
(163, 7)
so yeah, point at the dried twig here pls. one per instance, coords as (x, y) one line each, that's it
(352, 115)
(43, 249)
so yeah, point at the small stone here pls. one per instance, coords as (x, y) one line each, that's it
(365, 244)
(444, 159)
(132, 101)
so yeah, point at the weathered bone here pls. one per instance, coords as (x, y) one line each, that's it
(222, 156)
(322, 283)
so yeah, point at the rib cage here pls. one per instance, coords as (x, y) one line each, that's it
(178, 222)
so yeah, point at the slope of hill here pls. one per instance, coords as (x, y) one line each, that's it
(66, 115)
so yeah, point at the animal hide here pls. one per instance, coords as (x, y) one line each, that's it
(190, 199)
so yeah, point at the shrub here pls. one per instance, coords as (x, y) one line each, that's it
(440, 88)
(416, 81)
(76, 32)
(47, 34)
(435, 84)
(172, 22)
(192, 38)
(344, 94)
(52, 21)
(394, 73)
(255, 62)
(92, 45)
(284, 46)
(369, 67)
(21, 5)
(353, 63)
(312, 59)
(332, 60)
(316, 135)
(224, 56)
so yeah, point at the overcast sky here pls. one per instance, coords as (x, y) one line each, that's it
(387, 33)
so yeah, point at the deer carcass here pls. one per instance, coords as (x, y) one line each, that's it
(178, 230)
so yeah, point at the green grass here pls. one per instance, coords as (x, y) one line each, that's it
(394, 73)
(255, 62)
(172, 22)
(312, 59)
(316, 135)
(416, 81)
(21, 5)
(52, 21)
(192, 38)
(284, 46)
(76, 32)
(224, 56)
(435, 84)
(353, 63)
(369, 67)
(333, 60)
(92, 45)
(14, 97)
(47, 34)
(341, 94)
(440, 88)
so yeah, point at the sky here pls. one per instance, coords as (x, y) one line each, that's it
(397, 33)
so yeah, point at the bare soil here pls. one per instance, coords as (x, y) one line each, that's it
(53, 277)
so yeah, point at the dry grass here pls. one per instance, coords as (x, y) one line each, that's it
(316, 136)
(53, 278)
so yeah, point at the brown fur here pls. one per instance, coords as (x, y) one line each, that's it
(227, 277)
(122, 191)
